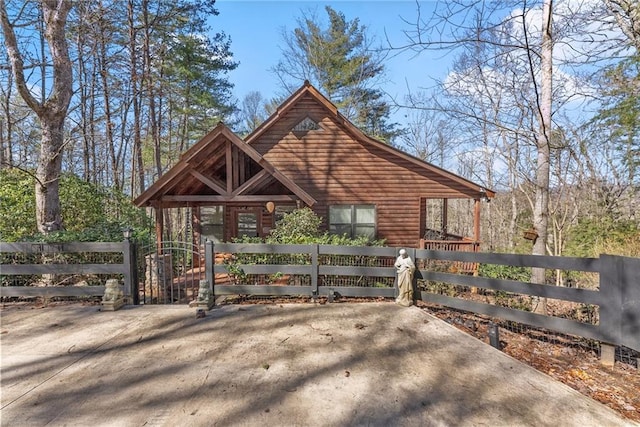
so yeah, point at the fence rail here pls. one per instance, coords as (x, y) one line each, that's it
(617, 296)
(126, 268)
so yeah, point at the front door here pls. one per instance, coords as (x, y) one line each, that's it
(246, 222)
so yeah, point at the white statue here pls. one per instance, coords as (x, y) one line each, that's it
(405, 268)
(112, 291)
(113, 297)
(204, 299)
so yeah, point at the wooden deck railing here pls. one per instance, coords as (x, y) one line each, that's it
(465, 245)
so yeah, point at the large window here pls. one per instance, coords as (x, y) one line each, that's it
(212, 223)
(353, 220)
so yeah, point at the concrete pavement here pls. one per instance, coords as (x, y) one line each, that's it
(341, 364)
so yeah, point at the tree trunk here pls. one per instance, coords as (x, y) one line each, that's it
(52, 111)
(48, 215)
(627, 16)
(151, 92)
(137, 161)
(541, 205)
(106, 95)
(6, 123)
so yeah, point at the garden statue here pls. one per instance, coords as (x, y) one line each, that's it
(405, 267)
(113, 297)
(205, 298)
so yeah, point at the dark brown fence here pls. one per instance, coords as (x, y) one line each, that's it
(318, 270)
(66, 269)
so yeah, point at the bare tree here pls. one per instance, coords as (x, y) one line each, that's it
(627, 16)
(6, 124)
(428, 134)
(508, 76)
(253, 111)
(543, 145)
(51, 111)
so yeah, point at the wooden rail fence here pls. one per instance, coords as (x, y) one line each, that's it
(127, 268)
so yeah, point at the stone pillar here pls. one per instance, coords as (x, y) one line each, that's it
(607, 354)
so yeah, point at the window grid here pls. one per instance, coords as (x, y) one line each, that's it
(353, 220)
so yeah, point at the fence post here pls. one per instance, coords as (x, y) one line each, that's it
(630, 316)
(130, 271)
(133, 253)
(611, 287)
(414, 282)
(314, 270)
(209, 263)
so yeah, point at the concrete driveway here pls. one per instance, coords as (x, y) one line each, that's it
(341, 364)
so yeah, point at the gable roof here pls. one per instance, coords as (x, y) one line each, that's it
(208, 171)
(214, 149)
(309, 90)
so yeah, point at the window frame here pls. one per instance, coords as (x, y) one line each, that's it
(353, 226)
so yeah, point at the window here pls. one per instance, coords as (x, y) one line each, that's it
(212, 223)
(306, 125)
(353, 220)
(247, 224)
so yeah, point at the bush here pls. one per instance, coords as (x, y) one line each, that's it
(17, 205)
(89, 212)
(591, 237)
(297, 227)
(302, 226)
(506, 272)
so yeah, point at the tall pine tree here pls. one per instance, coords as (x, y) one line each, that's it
(339, 60)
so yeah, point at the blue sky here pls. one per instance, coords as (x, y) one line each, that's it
(255, 28)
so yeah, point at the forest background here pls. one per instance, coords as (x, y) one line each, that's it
(541, 103)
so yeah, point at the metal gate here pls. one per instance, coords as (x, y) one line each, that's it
(171, 276)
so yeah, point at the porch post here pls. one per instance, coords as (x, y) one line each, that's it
(423, 221)
(159, 227)
(476, 220)
(445, 216)
(209, 267)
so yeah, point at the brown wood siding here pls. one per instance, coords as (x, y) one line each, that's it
(336, 169)
(335, 164)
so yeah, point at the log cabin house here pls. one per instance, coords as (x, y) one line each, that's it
(308, 154)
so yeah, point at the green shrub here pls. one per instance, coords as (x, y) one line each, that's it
(17, 205)
(89, 212)
(297, 227)
(591, 237)
(507, 272)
